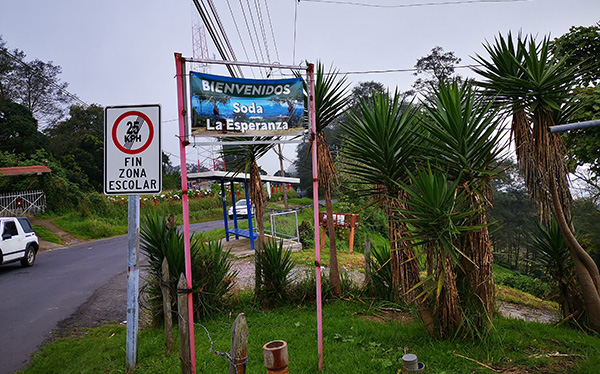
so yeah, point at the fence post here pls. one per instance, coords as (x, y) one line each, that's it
(367, 254)
(239, 345)
(184, 332)
(166, 294)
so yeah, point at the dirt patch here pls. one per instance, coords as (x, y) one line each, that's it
(384, 316)
(64, 236)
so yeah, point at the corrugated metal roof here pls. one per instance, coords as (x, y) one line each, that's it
(24, 170)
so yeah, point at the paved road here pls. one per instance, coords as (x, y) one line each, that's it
(34, 300)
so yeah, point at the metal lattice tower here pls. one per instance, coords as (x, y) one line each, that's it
(208, 156)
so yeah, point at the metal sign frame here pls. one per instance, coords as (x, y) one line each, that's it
(184, 137)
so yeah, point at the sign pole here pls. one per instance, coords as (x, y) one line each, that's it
(133, 276)
(179, 67)
(132, 166)
(313, 135)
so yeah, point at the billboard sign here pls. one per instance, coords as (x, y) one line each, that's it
(225, 106)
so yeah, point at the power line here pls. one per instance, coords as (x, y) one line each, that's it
(411, 5)
(272, 33)
(51, 82)
(239, 34)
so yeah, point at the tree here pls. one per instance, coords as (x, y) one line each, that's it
(379, 145)
(18, 130)
(463, 138)
(331, 100)
(34, 84)
(437, 67)
(534, 86)
(79, 141)
(514, 216)
(580, 48)
(244, 160)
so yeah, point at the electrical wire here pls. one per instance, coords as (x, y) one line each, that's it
(249, 32)
(239, 34)
(411, 5)
(51, 82)
(272, 32)
(262, 29)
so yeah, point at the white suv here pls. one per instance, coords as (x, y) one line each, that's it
(19, 242)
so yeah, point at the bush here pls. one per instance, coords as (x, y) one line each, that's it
(276, 265)
(533, 286)
(306, 232)
(212, 277)
(380, 283)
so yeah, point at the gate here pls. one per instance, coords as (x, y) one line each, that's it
(20, 203)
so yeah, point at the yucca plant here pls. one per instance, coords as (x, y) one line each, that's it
(381, 141)
(331, 99)
(463, 137)
(381, 272)
(277, 264)
(552, 254)
(440, 217)
(535, 85)
(212, 277)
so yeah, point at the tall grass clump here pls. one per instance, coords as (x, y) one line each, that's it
(277, 266)
(380, 283)
(212, 276)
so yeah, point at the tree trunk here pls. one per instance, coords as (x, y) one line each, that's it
(586, 268)
(405, 268)
(334, 273)
(258, 197)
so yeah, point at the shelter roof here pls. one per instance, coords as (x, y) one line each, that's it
(24, 170)
(240, 177)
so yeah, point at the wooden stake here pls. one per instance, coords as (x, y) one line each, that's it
(239, 345)
(166, 295)
(367, 254)
(184, 332)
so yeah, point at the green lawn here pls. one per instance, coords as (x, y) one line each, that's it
(358, 338)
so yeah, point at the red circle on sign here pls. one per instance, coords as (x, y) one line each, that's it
(150, 136)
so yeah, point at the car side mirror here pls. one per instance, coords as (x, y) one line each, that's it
(6, 236)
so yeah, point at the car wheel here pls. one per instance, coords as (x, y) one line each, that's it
(29, 258)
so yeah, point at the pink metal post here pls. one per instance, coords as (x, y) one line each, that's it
(184, 200)
(313, 133)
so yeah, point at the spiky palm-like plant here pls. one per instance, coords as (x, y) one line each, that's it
(440, 215)
(463, 137)
(380, 143)
(331, 98)
(245, 161)
(525, 76)
(552, 254)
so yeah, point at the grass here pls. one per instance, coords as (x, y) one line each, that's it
(355, 341)
(45, 234)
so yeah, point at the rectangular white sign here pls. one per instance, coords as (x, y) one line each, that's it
(132, 150)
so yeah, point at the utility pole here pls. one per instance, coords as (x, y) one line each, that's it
(285, 200)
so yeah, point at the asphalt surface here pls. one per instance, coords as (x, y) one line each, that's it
(33, 301)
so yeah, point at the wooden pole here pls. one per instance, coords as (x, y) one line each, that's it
(183, 142)
(239, 345)
(166, 294)
(367, 255)
(184, 332)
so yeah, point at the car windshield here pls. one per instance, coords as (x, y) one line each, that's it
(241, 203)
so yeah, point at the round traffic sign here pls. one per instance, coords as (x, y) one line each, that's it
(127, 132)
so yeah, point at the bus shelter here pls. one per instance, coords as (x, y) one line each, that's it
(224, 177)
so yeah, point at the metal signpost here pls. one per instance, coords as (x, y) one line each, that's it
(132, 166)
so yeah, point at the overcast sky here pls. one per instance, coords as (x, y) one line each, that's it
(120, 52)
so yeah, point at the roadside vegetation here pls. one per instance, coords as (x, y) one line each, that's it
(453, 226)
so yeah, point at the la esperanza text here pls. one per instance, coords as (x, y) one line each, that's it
(256, 125)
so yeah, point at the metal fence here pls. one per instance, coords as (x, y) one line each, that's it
(20, 203)
(284, 225)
